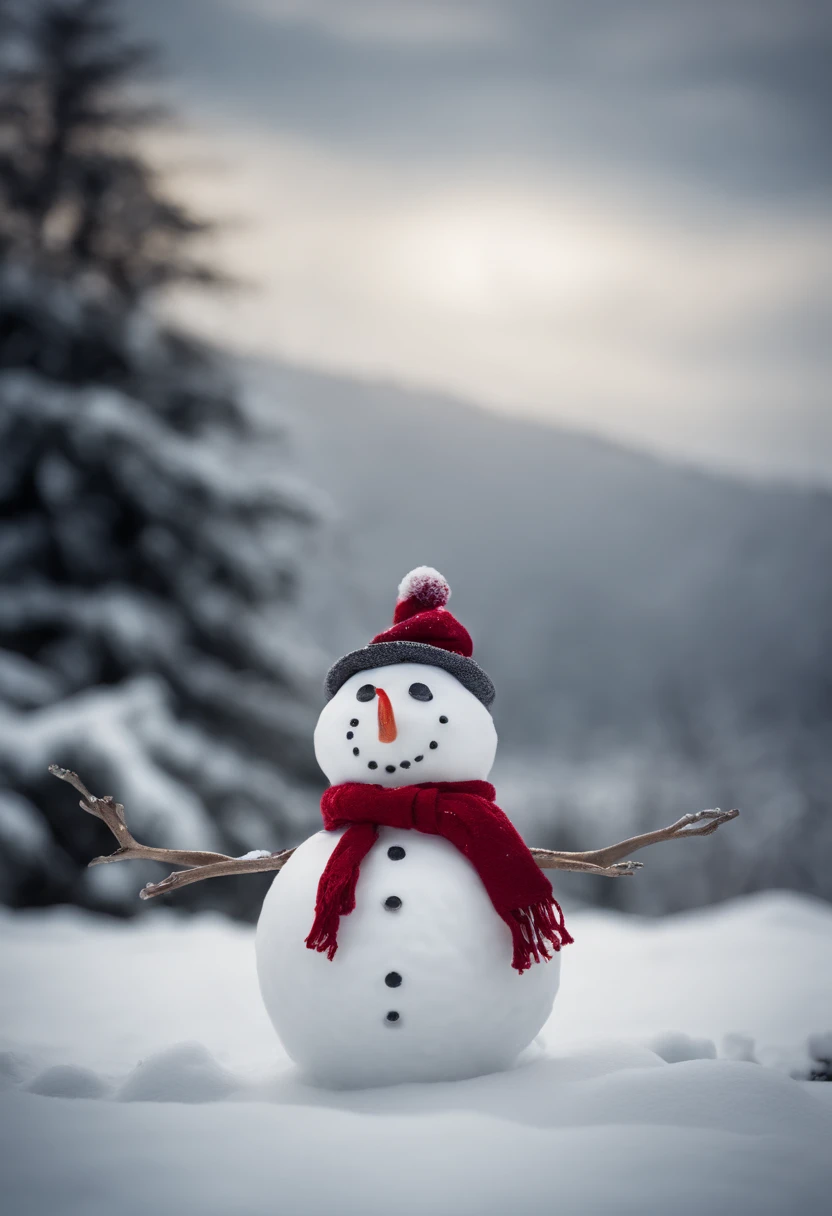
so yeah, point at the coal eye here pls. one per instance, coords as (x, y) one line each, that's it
(365, 693)
(420, 692)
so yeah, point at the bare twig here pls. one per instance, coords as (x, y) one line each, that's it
(549, 860)
(605, 861)
(234, 865)
(200, 864)
(112, 813)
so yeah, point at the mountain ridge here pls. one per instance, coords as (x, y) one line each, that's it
(575, 554)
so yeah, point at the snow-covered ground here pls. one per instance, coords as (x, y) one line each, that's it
(141, 1074)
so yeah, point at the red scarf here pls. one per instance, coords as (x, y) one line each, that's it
(464, 813)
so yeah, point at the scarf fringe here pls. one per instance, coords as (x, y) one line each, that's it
(535, 928)
(323, 936)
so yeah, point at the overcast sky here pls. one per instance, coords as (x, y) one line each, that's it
(610, 213)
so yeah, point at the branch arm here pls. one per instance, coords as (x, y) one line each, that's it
(549, 860)
(111, 813)
(219, 869)
(698, 823)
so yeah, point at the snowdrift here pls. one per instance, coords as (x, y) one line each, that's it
(140, 1072)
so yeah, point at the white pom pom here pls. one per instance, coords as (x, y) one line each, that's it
(425, 585)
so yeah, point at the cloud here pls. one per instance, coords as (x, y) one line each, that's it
(571, 298)
(729, 95)
(429, 23)
(613, 214)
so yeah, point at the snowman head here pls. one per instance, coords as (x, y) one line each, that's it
(413, 705)
(402, 724)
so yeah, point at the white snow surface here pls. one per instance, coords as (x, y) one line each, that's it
(139, 1072)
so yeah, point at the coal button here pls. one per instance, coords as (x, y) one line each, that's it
(392, 979)
(395, 852)
(392, 903)
(393, 1016)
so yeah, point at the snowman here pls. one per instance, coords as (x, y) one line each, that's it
(417, 967)
(415, 937)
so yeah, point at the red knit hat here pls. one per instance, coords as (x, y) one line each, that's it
(423, 631)
(421, 615)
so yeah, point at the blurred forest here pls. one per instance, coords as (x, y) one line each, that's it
(149, 549)
(171, 589)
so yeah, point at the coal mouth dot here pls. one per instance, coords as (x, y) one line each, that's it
(391, 768)
(443, 719)
(433, 745)
(355, 751)
(353, 721)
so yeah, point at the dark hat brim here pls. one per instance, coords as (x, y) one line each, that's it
(384, 654)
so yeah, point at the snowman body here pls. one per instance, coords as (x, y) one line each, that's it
(421, 987)
(439, 960)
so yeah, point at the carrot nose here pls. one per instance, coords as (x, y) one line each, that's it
(386, 718)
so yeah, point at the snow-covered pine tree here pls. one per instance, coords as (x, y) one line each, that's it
(149, 541)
